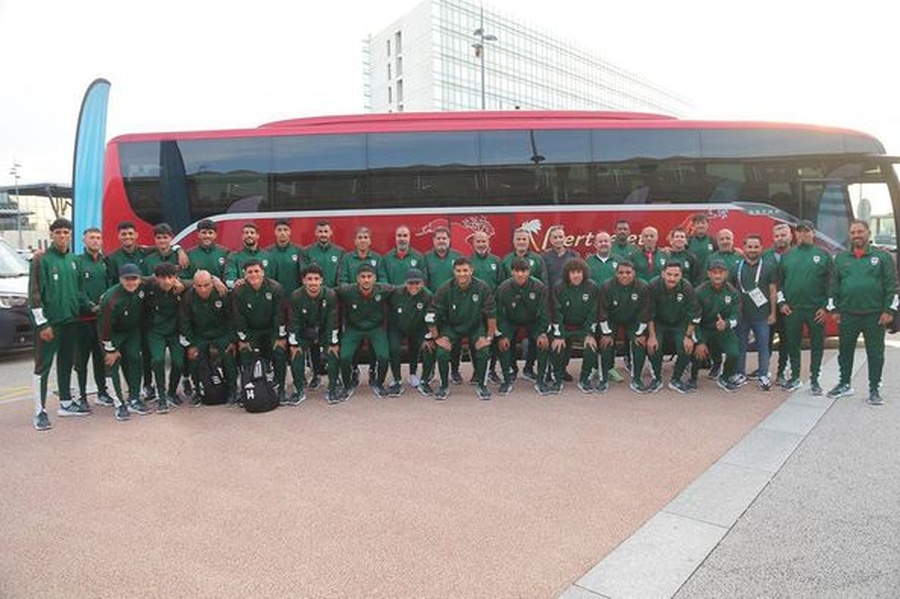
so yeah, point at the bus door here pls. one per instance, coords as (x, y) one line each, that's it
(826, 203)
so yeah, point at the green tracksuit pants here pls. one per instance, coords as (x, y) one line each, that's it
(62, 346)
(129, 364)
(793, 328)
(226, 359)
(560, 359)
(298, 365)
(480, 357)
(718, 343)
(378, 345)
(88, 348)
(413, 340)
(158, 345)
(873, 333)
(506, 357)
(675, 336)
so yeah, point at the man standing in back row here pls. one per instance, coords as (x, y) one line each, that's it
(864, 295)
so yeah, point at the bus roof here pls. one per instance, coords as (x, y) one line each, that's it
(477, 121)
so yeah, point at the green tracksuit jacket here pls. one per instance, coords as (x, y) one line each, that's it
(457, 311)
(624, 305)
(575, 309)
(92, 273)
(438, 270)
(351, 261)
(488, 268)
(288, 261)
(54, 296)
(328, 257)
(407, 312)
(536, 261)
(211, 259)
(234, 264)
(120, 257)
(364, 312)
(395, 265)
(522, 306)
(259, 311)
(648, 268)
(864, 285)
(314, 319)
(803, 277)
(724, 302)
(121, 316)
(204, 320)
(602, 270)
(676, 307)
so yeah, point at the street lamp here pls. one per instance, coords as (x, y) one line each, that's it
(14, 171)
(479, 51)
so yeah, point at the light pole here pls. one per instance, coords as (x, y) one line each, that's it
(14, 171)
(479, 51)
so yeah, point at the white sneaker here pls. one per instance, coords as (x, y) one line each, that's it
(414, 381)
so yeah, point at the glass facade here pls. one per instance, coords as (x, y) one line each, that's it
(472, 58)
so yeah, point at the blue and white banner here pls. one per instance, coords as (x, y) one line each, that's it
(87, 172)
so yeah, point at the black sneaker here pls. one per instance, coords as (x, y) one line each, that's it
(653, 386)
(84, 405)
(714, 371)
(494, 378)
(456, 378)
(601, 386)
(541, 387)
(483, 392)
(347, 393)
(175, 401)
(729, 385)
(162, 406)
(71, 408)
(136, 406)
(678, 385)
(840, 390)
(781, 380)
(585, 386)
(332, 397)
(187, 387)
(354, 379)
(104, 399)
(442, 393)
(297, 397)
(690, 385)
(42, 421)
(792, 385)
(638, 386)
(425, 388)
(149, 393)
(395, 389)
(282, 398)
(555, 387)
(314, 383)
(122, 413)
(815, 388)
(875, 398)
(505, 388)
(379, 390)
(529, 375)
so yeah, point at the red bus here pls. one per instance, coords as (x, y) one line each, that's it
(496, 171)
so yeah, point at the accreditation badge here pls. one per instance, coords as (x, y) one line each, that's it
(758, 297)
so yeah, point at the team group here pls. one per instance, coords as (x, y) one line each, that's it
(699, 299)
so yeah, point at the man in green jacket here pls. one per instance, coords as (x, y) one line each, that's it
(462, 309)
(401, 258)
(487, 267)
(700, 243)
(207, 255)
(325, 253)
(691, 269)
(259, 320)
(162, 306)
(234, 264)
(720, 307)
(802, 280)
(288, 259)
(522, 249)
(438, 270)
(522, 310)
(314, 322)
(406, 323)
(205, 323)
(362, 254)
(574, 320)
(92, 270)
(54, 302)
(676, 313)
(782, 239)
(119, 325)
(864, 300)
(624, 303)
(622, 246)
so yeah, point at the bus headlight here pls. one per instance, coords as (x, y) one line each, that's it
(12, 300)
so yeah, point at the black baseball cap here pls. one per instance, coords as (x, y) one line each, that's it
(806, 224)
(129, 271)
(414, 275)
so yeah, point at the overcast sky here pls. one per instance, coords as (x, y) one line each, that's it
(202, 64)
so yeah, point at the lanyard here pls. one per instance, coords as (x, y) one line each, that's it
(741, 270)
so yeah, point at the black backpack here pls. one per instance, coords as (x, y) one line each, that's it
(257, 385)
(211, 388)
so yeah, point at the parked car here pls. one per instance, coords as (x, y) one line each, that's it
(16, 331)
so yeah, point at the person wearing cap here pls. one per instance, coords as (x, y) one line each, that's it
(54, 305)
(288, 258)
(364, 306)
(802, 280)
(207, 254)
(361, 254)
(864, 300)
(314, 323)
(574, 320)
(234, 264)
(325, 253)
(522, 311)
(462, 309)
(720, 306)
(624, 303)
(92, 268)
(401, 258)
(522, 249)
(205, 324)
(676, 315)
(162, 306)
(259, 320)
(754, 277)
(119, 325)
(406, 324)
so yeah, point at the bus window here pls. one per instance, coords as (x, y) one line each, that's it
(872, 203)
(317, 172)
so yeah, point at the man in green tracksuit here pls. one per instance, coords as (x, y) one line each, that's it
(128, 252)
(163, 252)
(259, 320)
(314, 322)
(119, 326)
(691, 269)
(487, 267)
(602, 263)
(522, 249)
(205, 322)
(649, 260)
(720, 307)
(92, 270)
(438, 270)
(364, 307)
(325, 253)
(725, 251)
(408, 306)
(864, 296)
(207, 255)
(700, 244)
(574, 320)
(521, 304)
(803, 277)
(782, 239)
(287, 258)
(234, 264)
(624, 302)
(622, 247)
(54, 302)
(676, 313)
(361, 254)
(462, 309)
(162, 305)
(401, 258)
